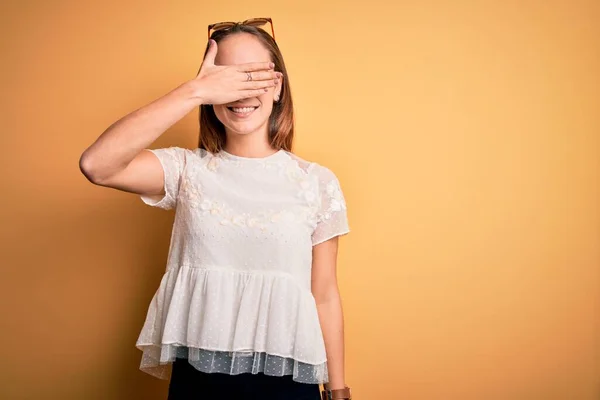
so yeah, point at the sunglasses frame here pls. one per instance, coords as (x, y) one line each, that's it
(257, 22)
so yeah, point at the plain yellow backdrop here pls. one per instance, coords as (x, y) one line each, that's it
(466, 136)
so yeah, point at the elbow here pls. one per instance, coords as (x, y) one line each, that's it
(87, 168)
(326, 292)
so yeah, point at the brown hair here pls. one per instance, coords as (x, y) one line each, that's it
(281, 121)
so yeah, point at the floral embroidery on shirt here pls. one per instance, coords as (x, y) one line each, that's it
(293, 172)
(261, 220)
(211, 207)
(228, 216)
(335, 200)
(190, 191)
(307, 190)
(334, 192)
(316, 209)
(212, 163)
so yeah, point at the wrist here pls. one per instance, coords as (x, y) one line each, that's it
(334, 385)
(193, 91)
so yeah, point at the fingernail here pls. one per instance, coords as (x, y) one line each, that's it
(272, 65)
(279, 74)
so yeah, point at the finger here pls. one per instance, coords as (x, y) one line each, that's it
(259, 84)
(260, 75)
(209, 59)
(244, 94)
(249, 67)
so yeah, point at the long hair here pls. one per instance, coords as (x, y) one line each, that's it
(281, 121)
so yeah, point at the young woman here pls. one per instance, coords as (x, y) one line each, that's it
(248, 307)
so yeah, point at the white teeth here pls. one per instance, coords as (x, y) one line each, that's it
(243, 110)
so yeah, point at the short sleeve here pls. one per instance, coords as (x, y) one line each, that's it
(172, 160)
(332, 219)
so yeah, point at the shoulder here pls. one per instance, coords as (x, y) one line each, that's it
(313, 168)
(327, 186)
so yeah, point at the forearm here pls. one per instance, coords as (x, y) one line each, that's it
(124, 139)
(332, 324)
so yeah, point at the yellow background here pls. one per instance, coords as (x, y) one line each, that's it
(466, 136)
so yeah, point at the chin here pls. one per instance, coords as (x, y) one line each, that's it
(242, 129)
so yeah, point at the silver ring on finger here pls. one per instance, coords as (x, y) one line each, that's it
(249, 77)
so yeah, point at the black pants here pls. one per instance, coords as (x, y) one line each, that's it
(188, 383)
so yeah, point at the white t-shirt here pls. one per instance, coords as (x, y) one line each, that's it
(236, 295)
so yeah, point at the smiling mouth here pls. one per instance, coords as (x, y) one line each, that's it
(242, 111)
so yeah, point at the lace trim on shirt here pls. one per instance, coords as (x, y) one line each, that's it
(155, 362)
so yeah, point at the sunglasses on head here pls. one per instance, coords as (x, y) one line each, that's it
(257, 22)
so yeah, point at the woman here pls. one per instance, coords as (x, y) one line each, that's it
(249, 305)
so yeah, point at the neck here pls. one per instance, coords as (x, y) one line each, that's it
(248, 145)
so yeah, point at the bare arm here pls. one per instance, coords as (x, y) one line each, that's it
(116, 159)
(329, 307)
